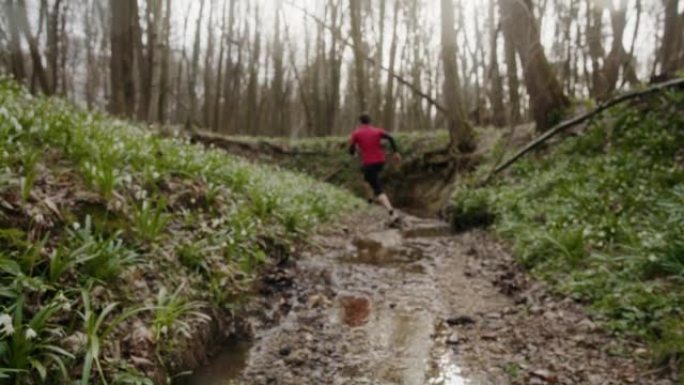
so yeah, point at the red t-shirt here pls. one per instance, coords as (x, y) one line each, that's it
(368, 139)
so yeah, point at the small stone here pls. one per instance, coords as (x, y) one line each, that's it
(285, 351)
(453, 339)
(460, 321)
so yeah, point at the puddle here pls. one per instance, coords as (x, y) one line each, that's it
(224, 369)
(448, 373)
(355, 310)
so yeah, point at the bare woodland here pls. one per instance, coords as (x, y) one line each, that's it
(297, 68)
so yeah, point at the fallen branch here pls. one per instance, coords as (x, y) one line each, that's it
(581, 119)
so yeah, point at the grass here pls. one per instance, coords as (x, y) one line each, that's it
(99, 216)
(601, 217)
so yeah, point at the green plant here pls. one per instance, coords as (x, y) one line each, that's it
(169, 311)
(31, 345)
(150, 219)
(97, 332)
(30, 174)
(470, 209)
(98, 256)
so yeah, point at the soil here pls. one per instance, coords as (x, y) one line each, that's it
(368, 304)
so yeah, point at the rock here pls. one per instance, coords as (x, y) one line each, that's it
(460, 321)
(298, 358)
(285, 350)
(453, 339)
(545, 375)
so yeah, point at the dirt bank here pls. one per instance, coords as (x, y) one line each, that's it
(371, 305)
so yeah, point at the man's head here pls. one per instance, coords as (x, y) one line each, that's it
(365, 118)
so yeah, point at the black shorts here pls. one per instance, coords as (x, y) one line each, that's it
(371, 173)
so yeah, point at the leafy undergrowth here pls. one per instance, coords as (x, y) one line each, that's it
(602, 218)
(117, 245)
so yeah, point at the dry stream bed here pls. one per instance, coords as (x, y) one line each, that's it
(416, 306)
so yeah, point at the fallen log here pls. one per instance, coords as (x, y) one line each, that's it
(581, 119)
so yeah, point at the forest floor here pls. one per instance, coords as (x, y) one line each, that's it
(366, 304)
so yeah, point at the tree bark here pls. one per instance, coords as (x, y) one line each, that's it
(495, 82)
(155, 52)
(36, 58)
(194, 69)
(123, 32)
(389, 108)
(460, 130)
(18, 66)
(671, 46)
(546, 95)
(359, 65)
(514, 116)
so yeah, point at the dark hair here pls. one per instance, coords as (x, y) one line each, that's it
(365, 118)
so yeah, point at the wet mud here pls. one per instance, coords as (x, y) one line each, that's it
(365, 304)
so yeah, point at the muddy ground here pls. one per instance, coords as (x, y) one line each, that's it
(366, 304)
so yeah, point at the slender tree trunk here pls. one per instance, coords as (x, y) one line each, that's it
(53, 44)
(495, 82)
(164, 86)
(514, 116)
(155, 51)
(359, 56)
(546, 95)
(194, 70)
(16, 55)
(389, 108)
(123, 32)
(36, 58)
(208, 70)
(672, 39)
(90, 88)
(460, 130)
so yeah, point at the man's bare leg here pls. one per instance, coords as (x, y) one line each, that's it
(385, 202)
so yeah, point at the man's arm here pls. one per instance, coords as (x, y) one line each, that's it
(352, 145)
(392, 142)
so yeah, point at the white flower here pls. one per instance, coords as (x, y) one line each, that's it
(76, 226)
(6, 323)
(31, 334)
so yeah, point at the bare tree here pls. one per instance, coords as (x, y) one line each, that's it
(546, 95)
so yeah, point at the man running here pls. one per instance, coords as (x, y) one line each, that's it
(368, 140)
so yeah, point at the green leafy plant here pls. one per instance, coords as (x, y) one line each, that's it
(150, 219)
(171, 309)
(29, 347)
(97, 330)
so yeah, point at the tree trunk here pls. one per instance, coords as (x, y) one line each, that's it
(546, 95)
(513, 82)
(34, 49)
(16, 55)
(460, 130)
(123, 31)
(389, 109)
(53, 44)
(672, 39)
(164, 86)
(359, 56)
(495, 82)
(155, 51)
(194, 69)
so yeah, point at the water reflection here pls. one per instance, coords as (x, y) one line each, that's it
(448, 373)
